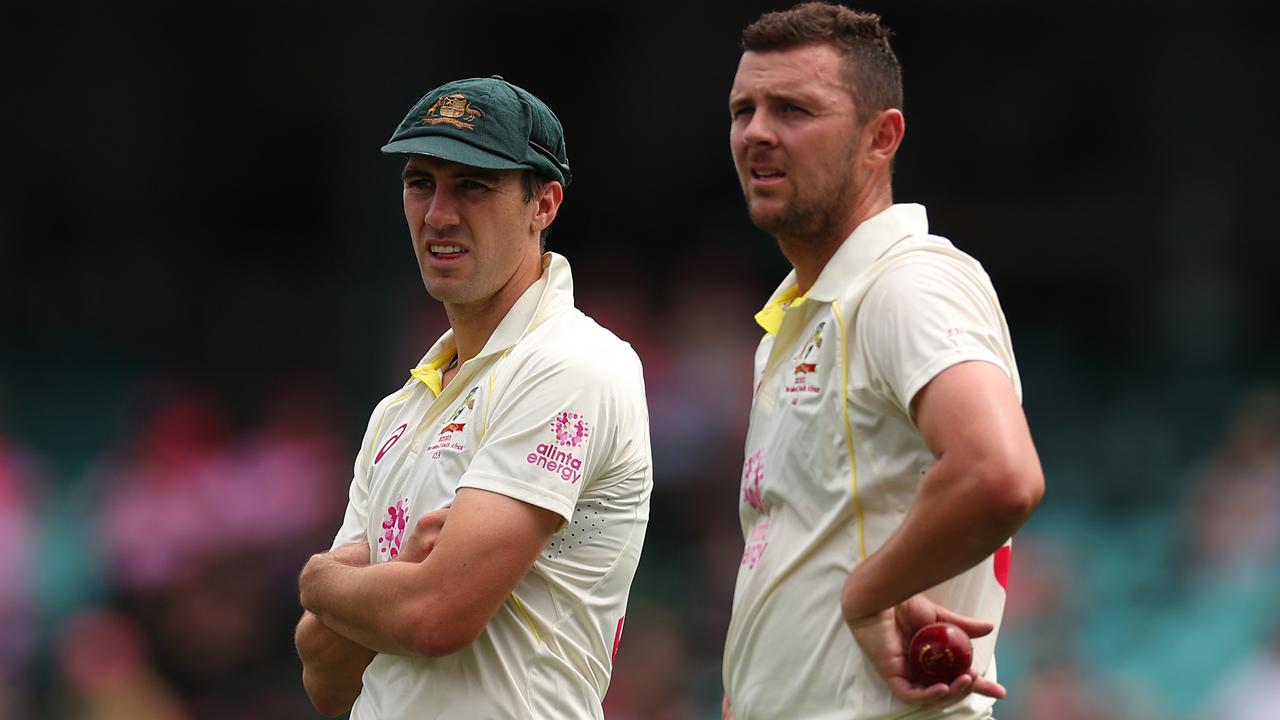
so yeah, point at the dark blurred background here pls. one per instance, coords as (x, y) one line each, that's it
(206, 285)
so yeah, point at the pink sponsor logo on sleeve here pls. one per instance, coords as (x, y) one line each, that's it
(571, 431)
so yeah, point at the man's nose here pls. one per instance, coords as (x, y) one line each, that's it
(759, 130)
(442, 211)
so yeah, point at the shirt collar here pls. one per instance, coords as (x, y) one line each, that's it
(431, 373)
(770, 316)
(551, 293)
(870, 240)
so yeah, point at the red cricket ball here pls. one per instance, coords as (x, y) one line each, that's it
(939, 653)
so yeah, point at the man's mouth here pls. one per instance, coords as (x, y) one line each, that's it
(441, 249)
(767, 174)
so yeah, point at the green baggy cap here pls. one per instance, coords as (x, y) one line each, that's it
(485, 123)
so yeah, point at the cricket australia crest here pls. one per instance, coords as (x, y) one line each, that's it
(452, 109)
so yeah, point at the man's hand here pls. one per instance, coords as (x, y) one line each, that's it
(355, 554)
(726, 709)
(423, 538)
(884, 638)
(332, 665)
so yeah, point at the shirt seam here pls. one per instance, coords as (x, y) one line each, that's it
(940, 363)
(501, 484)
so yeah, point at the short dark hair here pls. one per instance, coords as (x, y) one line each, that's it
(533, 184)
(871, 69)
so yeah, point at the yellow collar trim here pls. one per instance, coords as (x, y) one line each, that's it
(770, 316)
(432, 375)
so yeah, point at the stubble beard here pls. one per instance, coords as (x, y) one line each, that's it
(796, 220)
(808, 221)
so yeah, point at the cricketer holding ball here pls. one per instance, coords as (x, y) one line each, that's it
(501, 496)
(888, 461)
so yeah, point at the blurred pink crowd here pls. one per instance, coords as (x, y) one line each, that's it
(198, 531)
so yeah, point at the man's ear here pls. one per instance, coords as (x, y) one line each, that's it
(883, 135)
(548, 204)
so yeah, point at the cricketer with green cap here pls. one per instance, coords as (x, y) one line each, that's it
(500, 496)
(485, 123)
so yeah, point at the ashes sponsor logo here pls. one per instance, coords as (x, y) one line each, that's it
(570, 430)
(445, 440)
(450, 437)
(806, 365)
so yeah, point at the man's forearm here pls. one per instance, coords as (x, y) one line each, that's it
(332, 665)
(959, 519)
(375, 606)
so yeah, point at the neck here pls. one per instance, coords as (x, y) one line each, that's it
(809, 253)
(473, 323)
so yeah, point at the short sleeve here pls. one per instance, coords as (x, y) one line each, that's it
(552, 430)
(355, 521)
(924, 315)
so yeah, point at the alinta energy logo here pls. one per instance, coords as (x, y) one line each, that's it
(571, 430)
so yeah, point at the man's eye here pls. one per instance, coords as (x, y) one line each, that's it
(740, 112)
(788, 107)
(419, 184)
(473, 185)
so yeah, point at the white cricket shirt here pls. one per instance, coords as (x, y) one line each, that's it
(551, 412)
(833, 461)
